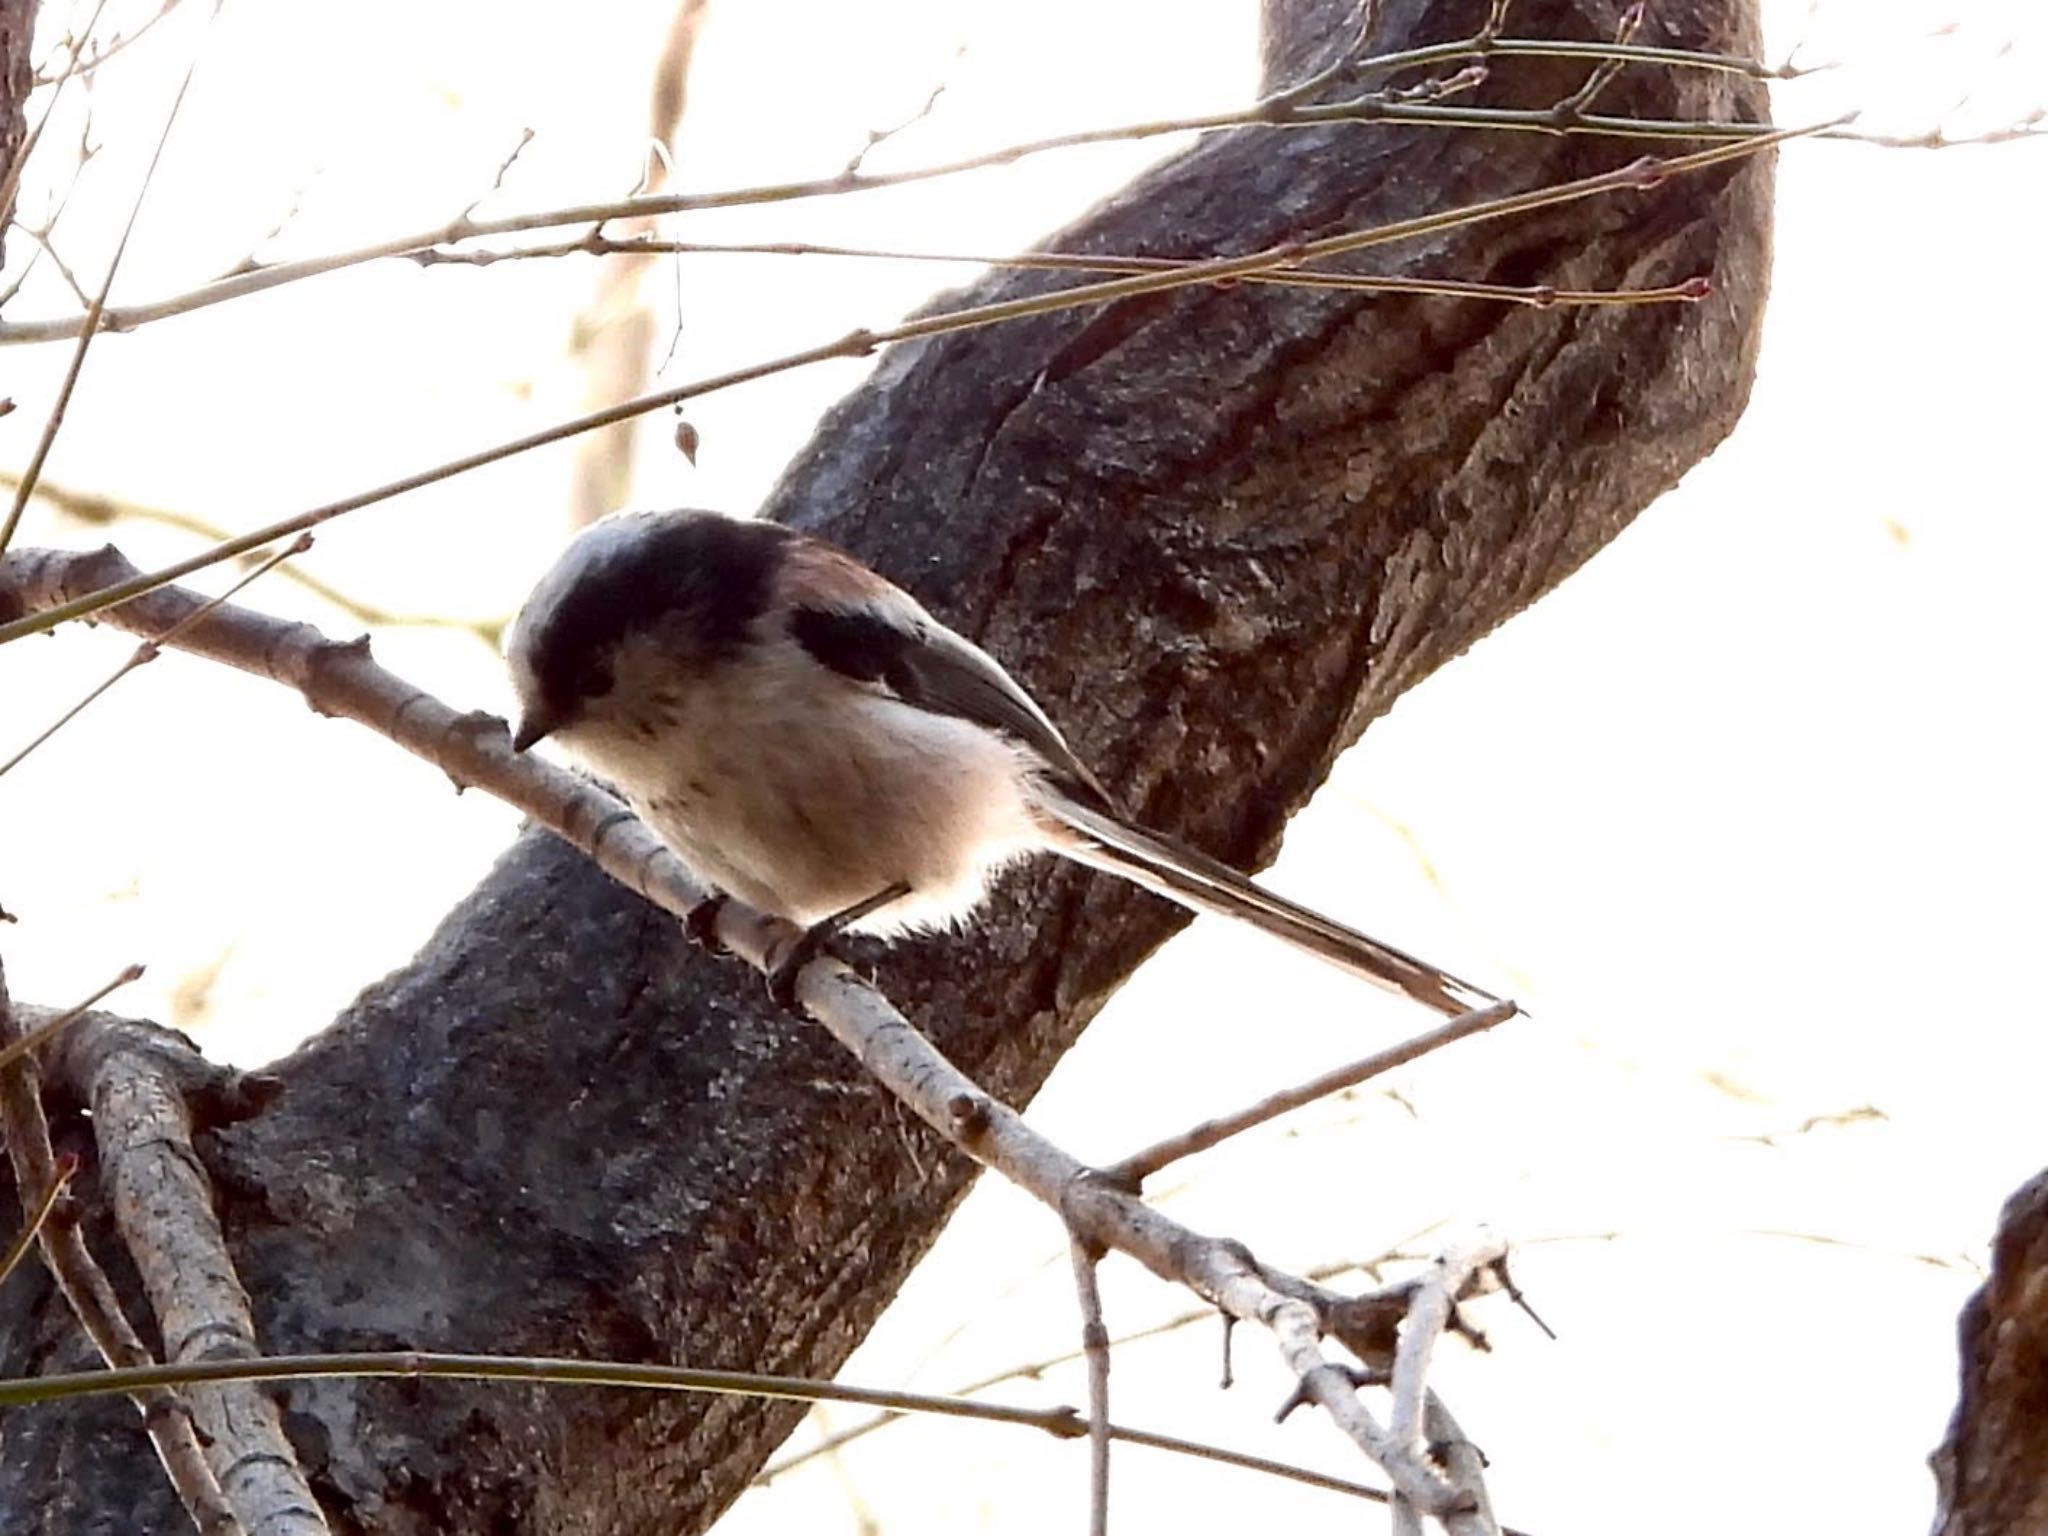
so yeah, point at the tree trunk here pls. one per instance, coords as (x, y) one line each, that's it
(1993, 1467)
(1217, 532)
(17, 78)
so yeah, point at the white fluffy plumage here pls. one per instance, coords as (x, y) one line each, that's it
(805, 736)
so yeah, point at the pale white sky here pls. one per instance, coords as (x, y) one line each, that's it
(1748, 812)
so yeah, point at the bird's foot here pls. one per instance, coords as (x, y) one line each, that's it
(807, 946)
(817, 940)
(700, 924)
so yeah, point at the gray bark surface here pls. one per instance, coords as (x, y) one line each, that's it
(1217, 532)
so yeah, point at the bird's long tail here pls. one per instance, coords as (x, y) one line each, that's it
(1193, 879)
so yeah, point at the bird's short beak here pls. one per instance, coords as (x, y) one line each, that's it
(533, 725)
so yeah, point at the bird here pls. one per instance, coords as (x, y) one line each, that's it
(808, 739)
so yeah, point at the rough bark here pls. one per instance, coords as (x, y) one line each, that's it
(1993, 1467)
(17, 78)
(1217, 532)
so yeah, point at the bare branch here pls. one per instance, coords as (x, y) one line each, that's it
(35, 1039)
(1488, 42)
(43, 235)
(64, 1170)
(1034, 1369)
(117, 44)
(98, 305)
(504, 169)
(1639, 174)
(1576, 105)
(92, 1298)
(1349, 61)
(1272, 112)
(164, 1208)
(44, 246)
(279, 225)
(1535, 296)
(1063, 1423)
(149, 650)
(1095, 1347)
(877, 137)
(10, 184)
(1140, 1166)
(100, 510)
(2034, 125)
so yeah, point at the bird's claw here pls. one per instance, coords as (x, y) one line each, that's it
(789, 965)
(700, 924)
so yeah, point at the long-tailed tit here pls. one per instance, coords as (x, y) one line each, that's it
(808, 739)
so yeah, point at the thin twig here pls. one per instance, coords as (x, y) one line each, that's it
(1269, 113)
(1095, 1347)
(100, 510)
(1140, 1166)
(149, 650)
(284, 221)
(2032, 126)
(877, 137)
(93, 1302)
(43, 236)
(44, 247)
(21, 276)
(98, 305)
(10, 183)
(1348, 60)
(1488, 41)
(1536, 296)
(505, 165)
(1639, 174)
(119, 43)
(35, 1039)
(1124, 1434)
(1062, 1423)
(1576, 105)
(1032, 1370)
(64, 1169)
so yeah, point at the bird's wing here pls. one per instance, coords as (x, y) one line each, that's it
(869, 630)
(873, 632)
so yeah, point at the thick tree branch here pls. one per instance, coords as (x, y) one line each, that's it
(163, 1205)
